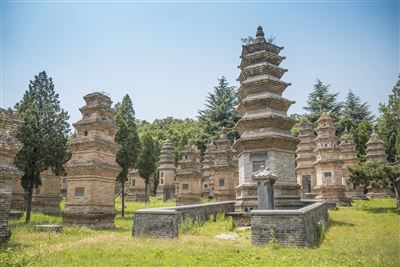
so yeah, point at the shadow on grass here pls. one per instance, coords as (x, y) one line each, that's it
(339, 223)
(382, 210)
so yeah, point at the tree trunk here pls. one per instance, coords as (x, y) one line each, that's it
(29, 203)
(123, 198)
(145, 189)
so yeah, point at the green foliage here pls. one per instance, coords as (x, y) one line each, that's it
(182, 133)
(295, 128)
(43, 134)
(127, 137)
(321, 100)
(247, 40)
(389, 124)
(220, 110)
(362, 133)
(321, 228)
(11, 259)
(273, 242)
(147, 164)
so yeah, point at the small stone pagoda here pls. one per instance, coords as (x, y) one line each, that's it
(305, 158)
(189, 177)
(376, 152)
(9, 174)
(136, 190)
(166, 187)
(208, 174)
(328, 165)
(225, 169)
(46, 198)
(92, 169)
(265, 140)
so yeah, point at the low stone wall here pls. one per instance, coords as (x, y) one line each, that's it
(164, 222)
(299, 227)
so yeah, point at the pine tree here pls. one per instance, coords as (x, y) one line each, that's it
(128, 138)
(352, 113)
(220, 110)
(43, 135)
(148, 159)
(321, 100)
(389, 124)
(361, 135)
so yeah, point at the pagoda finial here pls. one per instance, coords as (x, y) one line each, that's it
(260, 35)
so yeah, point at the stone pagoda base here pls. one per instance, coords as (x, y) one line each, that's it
(384, 192)
(165, 193)
(18, 196)
(6, 187)
(46, 204)
(188, 199)
(333, 193)
(357, 193)
(96, 218)
(287, 196)
(137, 195)
(246, 197)
(224, 196)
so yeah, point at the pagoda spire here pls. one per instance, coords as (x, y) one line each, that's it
(260, 35)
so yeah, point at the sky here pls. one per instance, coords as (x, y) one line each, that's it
(168, 55)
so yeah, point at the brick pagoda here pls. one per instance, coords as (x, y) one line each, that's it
(92, 170)
(46, 199)
(264, 127)
(166, 187)
(208, 174)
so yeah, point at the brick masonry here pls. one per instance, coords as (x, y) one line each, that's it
(289, 227)
(164, 222)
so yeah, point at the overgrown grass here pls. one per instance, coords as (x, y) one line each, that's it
(366, 234)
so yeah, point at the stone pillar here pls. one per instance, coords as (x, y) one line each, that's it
(265, 188)
(9, 147)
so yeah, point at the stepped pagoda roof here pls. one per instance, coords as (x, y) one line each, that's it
(254, 102)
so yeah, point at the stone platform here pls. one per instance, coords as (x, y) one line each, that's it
(48, 228)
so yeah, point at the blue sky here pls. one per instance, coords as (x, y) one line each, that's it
(168, 56)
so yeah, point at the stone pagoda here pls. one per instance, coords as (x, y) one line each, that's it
(328, 165)
(189, 177)
(305, 158)
(92, 169)
(9, 174)
(136, 189)
(225, 169)
(166, 187)
(46, 198)
(265, 140)
(208, 174)
(348, 155)
(376, 153)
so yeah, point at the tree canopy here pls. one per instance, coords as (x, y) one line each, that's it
(43, 134)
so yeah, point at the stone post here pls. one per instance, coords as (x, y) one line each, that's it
(265, 188)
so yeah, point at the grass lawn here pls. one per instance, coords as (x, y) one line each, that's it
(367, 234)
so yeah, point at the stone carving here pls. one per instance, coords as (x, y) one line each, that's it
(265, 179)
(92, 170)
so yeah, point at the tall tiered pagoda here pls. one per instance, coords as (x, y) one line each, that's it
(166, 187)
(305, 157)
(208, 174)
(225, 169)
(9, 174)
(348, 155)
(264, 127)
(92, 170)
(376, 149)
(188, 177)
(328, 165)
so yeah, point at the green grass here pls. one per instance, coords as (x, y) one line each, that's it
(366, 234)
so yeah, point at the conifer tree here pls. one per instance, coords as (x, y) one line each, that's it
(128, 138)
(148, 159)
(220, 110)
(43, 135)
(389, 124)
(321, 100)
(361, 135)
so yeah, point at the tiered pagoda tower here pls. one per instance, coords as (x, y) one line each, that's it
(166, 187)
(376, 149)
(208, 173)
(348, 155)
(136, 189)
(264, 127)
(305, 157)
(225, 169)
(376, 152)
(328, 165)
(189, 177)
(92, 169)
(9, 174)
(46, 199)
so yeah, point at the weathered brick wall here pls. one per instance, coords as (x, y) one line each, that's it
(289, 227)
(6, 187)
(164, 222)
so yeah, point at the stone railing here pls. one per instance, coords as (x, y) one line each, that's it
(301, 227)
(164, 222)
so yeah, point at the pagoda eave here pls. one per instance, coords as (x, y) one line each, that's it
(276, 102)
(265, 142)
(275, 121)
